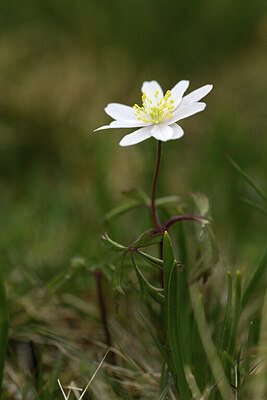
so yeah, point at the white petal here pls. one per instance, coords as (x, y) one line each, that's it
(103, 127)
(185, 112)
(177, 131)
(178, 91)
(120, 111)
(136, 137)
(123, 124)
(196, 95)
(150, 88)
(162, 132)
(129, 123)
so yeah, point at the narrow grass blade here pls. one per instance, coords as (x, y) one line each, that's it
(255, 279)
(171, 285)
(185, 311)
(164, 393)
(198, 358)
(174, 332)
(163, 375)
(258, 383)
(3, 329)
(208, 345)
(225, 330)
(196, 394)
(256, 206)
(249, 345)
(161, 348)
(55, 374)
(168, 259)
(247, 178)
(235, 322)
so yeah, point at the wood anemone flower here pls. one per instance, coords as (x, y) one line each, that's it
(158, 114)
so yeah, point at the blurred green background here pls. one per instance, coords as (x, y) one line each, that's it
(61, 62)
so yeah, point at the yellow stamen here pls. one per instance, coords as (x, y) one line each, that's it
(155, 112)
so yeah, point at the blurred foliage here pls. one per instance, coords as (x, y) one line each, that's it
(61, 62)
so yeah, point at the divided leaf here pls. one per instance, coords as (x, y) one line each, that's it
(111, 245)
(146, 287)
(118, 275)
(147, 238)
(151, 260)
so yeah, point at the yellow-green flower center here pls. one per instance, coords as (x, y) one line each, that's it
(155, 111)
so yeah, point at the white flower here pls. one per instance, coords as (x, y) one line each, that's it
(158, 115)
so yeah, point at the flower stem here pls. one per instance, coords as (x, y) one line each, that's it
(103, 310)
(156, 174)
(181, 218)
(153, 206)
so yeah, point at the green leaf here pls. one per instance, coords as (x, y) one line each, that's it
(151, 260)
(167, 200)
(118, 275)
(107, 268)
(146, 287)
(209, 249)
(137, 194)
(202, 203)
(207, 256)
(174, 333)
(122, 209)
(225, 330)
(142, 284)
(198, 357)
(208, 345)
(250, 203)
(62, 280)
(161, 348)
(168, 258)
(196, 394)
(164, 392)
(249, 345)
(255, 279)
(171, 285)
(3, 328)
(186, 311)
(247, 178)
(147, 238)
(235, 322)
(111, 245)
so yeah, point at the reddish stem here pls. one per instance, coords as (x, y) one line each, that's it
(153, 206)
(156, 174)
(180, 218)
(103, 310)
